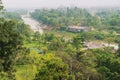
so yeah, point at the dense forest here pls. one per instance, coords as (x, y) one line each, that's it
(58, 54)
(104, 24)
(63, 17)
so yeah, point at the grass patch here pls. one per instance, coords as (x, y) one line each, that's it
(65, 34)
(26, 72)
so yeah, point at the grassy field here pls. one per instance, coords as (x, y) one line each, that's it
(26, 72)
(66, 35)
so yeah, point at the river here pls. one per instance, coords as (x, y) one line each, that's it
(34, 25)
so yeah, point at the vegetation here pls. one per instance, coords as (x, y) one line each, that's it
(9, 45)
(12, 15)
(56, 54)
(62, 17)
(1, 8)
(110, 19)
(104, 24)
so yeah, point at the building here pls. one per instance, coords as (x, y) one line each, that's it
(78, 28)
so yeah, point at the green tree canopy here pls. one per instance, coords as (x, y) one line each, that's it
(52, 68)
(10, 44)
(1, 8)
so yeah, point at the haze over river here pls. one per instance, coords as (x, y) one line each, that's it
(35, 25)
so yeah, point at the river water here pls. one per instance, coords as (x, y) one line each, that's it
(34, 25)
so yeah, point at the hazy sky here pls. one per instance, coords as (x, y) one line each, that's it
(57, 3)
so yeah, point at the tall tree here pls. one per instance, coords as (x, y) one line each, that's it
(118, 51)
(1, 8)
(78, 42)
(10, 44)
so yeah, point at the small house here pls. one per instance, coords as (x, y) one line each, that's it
(78, 28)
